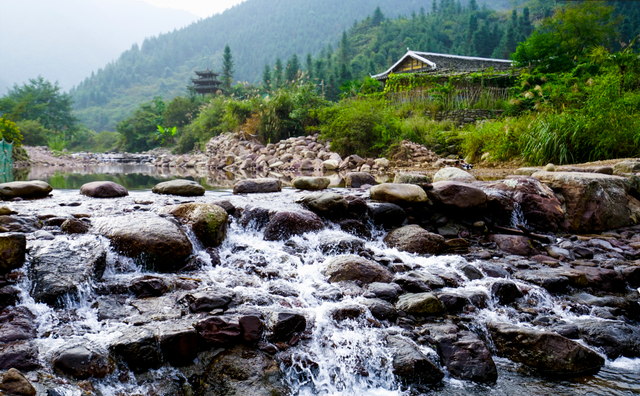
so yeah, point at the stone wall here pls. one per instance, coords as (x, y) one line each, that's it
(467, 116)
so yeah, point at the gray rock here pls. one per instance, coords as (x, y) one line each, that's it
(16, 383)
(21, 355)
(208, 221)
(399, 193)
(178, 341)
(138, 348)
(411, 365)
(354, 268)
(340, 244)
(415, 239)
(61, 266)
(614, 337)
(311, 183)
(283, 225)
(457, 195)
(328, 205)
(74, 226)
(252, 186)
(359, 179)
(387, 215)
(181, 187)
(380, 309)
(417, 281)
(103, 189)
(453, 174)
(421, 304)
(282, 325)
(411, 178)
(385, 291)
(25, 189)
(82, 362)
(219, 330)
(207, 301)
(505, 291)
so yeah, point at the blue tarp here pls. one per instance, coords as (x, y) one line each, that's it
(6, 162)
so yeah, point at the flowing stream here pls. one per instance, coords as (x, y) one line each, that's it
(349, 357)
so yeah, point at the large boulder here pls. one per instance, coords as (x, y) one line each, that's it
(17, 324)
(82, 362)
(415, 239)
(399, 193)
(311, 183)
(154, 242)
(387, 215)
(453, 174)
(282, 325)
(283, 225)
(513, 244)
(613, 337)
(457, 195)
(208, 221)
(359, 179)
(547, 352)
(243, 371)
(593, 201)
(12, 251)
(21, 223)
(219, 330)
(465, 355)
(103, 189)
(253, 186)
(62, 266)
(354, 268)
(21, 355)
(538, 204)
(25, 189)
(328, 205)
(421, 304)
(182, 187)
(411, 365)
(138, 348)
(16, 383)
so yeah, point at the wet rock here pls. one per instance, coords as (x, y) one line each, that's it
(505, 291)
(17, 324)
(281, 325)
(457, 195)
(415, 239)
(103, 189)
(547, 352)
(311, 183)
(24, 189)
(453, 174)
(283, 225)
(465, 355)
(355, 227)
(421, 304)
(632, 276)
(252, 186)
(13, 247)
(227, 206)
(411, 178)
(387, 215)
(359, 179)
(80, 362)
(416, 282)
(16, 383)
(453, 302)
(156, 309)
(253, 216)
(152, 241)
(593, 201)
(243, 371)
(471, 272)
(380, 309)
(5, 211)
(138, 348)
(328, 205)
(20, 355)
(385, 291)
(410, 364)
(44, 235)
(354, 268)
(340, 244)
(603, 279)
(626, 167)
(207, 301)
(219, 330)
(8, 296)
(494, 270)
(55, 221)
(513, 244)
(181, 187)
(550, 280)
(62, 266)
(208, 221)
(399, 193)
(346, 312)
(20, 223)
(178, 341)
(251, 327)
(148, 286)
(357, 208)
(74, 226)
(614, 337)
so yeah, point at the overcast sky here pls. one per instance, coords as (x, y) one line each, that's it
(201, 8)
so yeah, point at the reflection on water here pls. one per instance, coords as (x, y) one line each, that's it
(144, 177)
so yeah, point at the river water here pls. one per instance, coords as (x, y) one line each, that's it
(351, 356)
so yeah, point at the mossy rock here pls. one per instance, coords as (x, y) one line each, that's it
(208, 221)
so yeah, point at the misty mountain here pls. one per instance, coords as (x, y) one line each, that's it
(65, 40)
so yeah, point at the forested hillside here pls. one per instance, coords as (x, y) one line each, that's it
(258, 32)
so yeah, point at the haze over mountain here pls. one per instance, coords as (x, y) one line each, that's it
(65, 40)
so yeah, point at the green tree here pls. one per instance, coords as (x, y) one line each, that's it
(266, 78)
(227, 69)
(42, 101)
(278, 75)
(293, 67)
(138, 132)
(310, 73)
(377, 18)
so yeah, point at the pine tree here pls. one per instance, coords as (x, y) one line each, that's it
(293, 67)
(526, 27)
(434, 7)
(227, 69)
(310, 67)
(266, 78)
(276, 80)
(377, 18)
(344, 48)
(473, 5)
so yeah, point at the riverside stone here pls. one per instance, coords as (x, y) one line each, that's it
(410, 364)
(415, 239)
(12, 251)
(354, 268)
(329, 205)
(422, 304)
(74, 226)
(359, 179)
(21, 355)
(219, 330)
(311, 183)
(138, 348)
(387, 215)
(411, 178)
(513, 244)
(457, 195)
(208, 221)
(548, 353)
(281, 325)
(151, 241)
(16, 383)
(283, 225)
(181, 187)
(453, 174)
(25, 189)
(505, 291)
(103, 189)
(252, 186)
(399, 193)
(81, 362)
